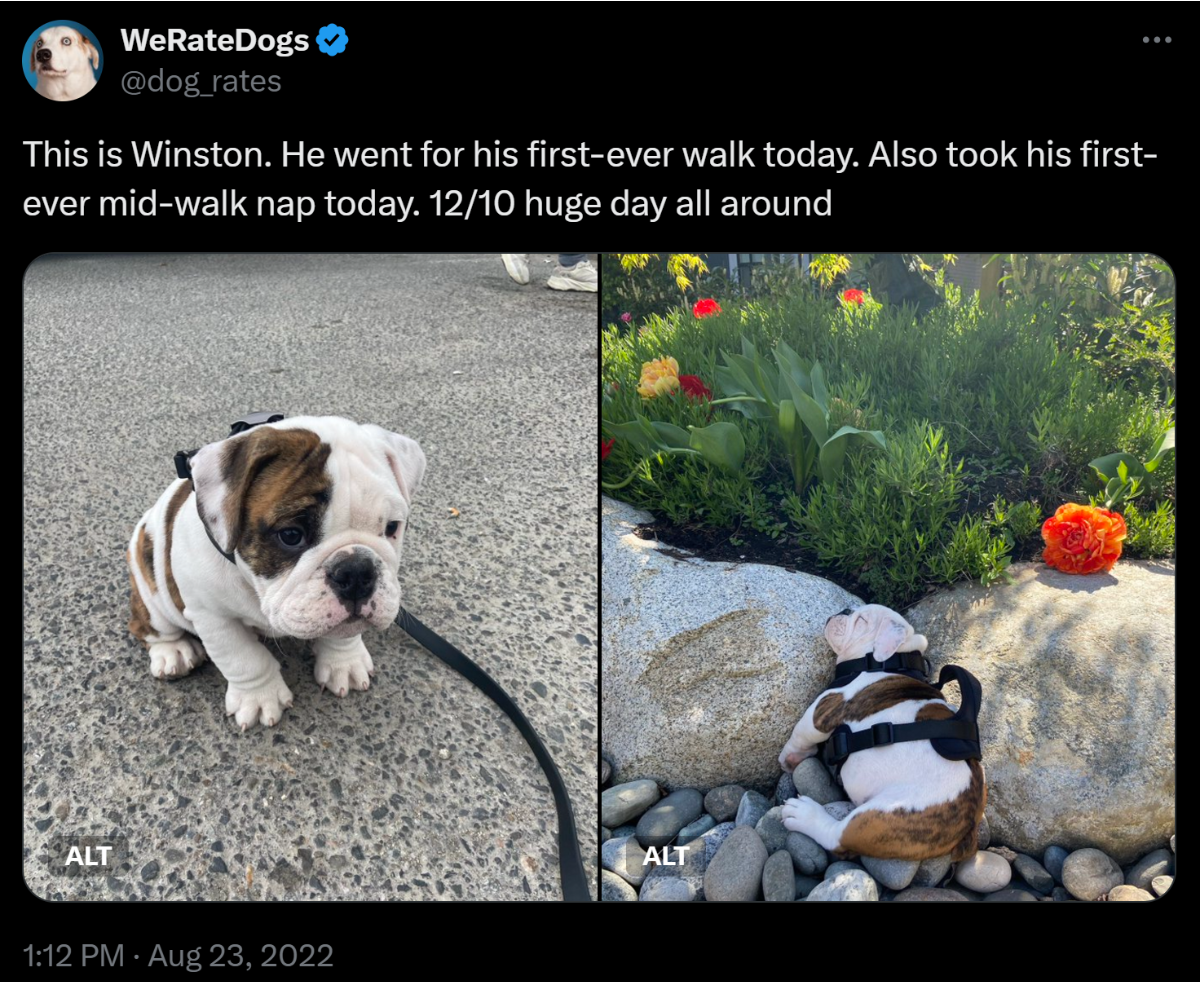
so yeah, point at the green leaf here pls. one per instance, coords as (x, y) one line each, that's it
(670, 435)
(1158, 451)
(720, 443)
(787, 419)
(637, 432)
(820, 392)
(813, 415)
(833, 456)
(1122, 471)
(1107, 466)
(792, 364)
(865, 436)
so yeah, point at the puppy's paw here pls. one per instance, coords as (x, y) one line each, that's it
(343, 669)
(261, 704)
(802, 814)
(174, 659)
(790, 757)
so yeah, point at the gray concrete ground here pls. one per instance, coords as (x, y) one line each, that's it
(418, 788)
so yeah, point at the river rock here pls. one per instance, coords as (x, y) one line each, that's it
(624, 802)
(626, 858)
(1161, 884)
(931, 872)
(659, 826)
(985, 872)
(841, 866)
(612, 887)
(778, 880)
(735, 872)
(1125, 892)
(928, 893)
(1033, 873)
(605, 834)
(807, 856)
(752, 807)
(1089, 874)
(812, 780)
(705, 667)
(805, 885)
(1053, 859)
(838, 809)
(770, 829)
(895, 874)
(689, 833)
(605, 771)
(1048, 650)
(714, 837)
(785, 790)
(722, 803)
(1157, 863)
(1010, 895)
(851, 884)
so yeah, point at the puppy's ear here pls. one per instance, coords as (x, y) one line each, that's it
(920, 641)
(92, 52)
(404, 457)
(33, 57)
(889, 638)
(264, 462)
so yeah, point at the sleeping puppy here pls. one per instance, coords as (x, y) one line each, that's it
(289, 528)
(910, 802)
(63, 60)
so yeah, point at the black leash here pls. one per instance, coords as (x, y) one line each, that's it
(570, 863)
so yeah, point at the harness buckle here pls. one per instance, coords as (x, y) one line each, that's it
(882, 734)
(837, 749)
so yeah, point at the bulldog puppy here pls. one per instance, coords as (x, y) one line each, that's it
(910, 802)
(292, 528)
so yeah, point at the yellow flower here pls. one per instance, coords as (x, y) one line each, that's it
(659, 377)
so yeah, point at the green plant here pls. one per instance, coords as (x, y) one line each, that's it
(1150, 534)
(1124, 474)
(973, 550)
(793, 396)
(720, 443)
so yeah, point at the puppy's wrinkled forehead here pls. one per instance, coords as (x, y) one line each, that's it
(365, 492)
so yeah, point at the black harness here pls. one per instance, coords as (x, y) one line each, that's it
(570, 861)
(955, 738)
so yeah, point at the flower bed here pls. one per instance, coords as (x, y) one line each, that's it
(988, 421)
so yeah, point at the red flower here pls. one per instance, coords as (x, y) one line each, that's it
(626, 317)
(1083, 539)
(853, 296)
(606, 448)
(694, 387)
(706, 308)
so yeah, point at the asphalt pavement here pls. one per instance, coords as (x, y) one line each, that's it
(418, 788)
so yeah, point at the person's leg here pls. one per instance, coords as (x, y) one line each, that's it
(517, 264)
(573, 272)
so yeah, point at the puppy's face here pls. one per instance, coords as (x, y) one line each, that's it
(62, 51)
(874, 628)
(314, 511)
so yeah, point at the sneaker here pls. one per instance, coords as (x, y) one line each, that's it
(581, 276)
(517, 264)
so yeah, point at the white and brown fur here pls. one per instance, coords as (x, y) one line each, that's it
(68, 73)
(910, 802)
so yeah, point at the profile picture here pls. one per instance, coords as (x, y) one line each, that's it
(62, 60)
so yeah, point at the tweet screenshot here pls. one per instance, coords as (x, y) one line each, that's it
(364, 565)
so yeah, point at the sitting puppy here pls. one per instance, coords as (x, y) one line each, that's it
(63, 60)
(289, 528)
(910, 802)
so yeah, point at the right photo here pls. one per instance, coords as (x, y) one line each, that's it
(888, 576)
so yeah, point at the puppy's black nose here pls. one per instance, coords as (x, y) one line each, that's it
(44, 54)
(353, 579)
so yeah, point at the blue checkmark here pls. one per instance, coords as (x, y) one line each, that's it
(331, 39)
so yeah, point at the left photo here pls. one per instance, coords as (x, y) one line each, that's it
(271, 502)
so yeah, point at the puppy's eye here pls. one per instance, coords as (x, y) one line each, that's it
(66, 40)
(40, 42)
(291, 537)
(846, 611)
(392, 529)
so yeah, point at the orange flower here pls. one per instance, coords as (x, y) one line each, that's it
(659, 377)
(1083, 539)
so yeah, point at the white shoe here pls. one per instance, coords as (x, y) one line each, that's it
(581, 276)
(517, 264)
